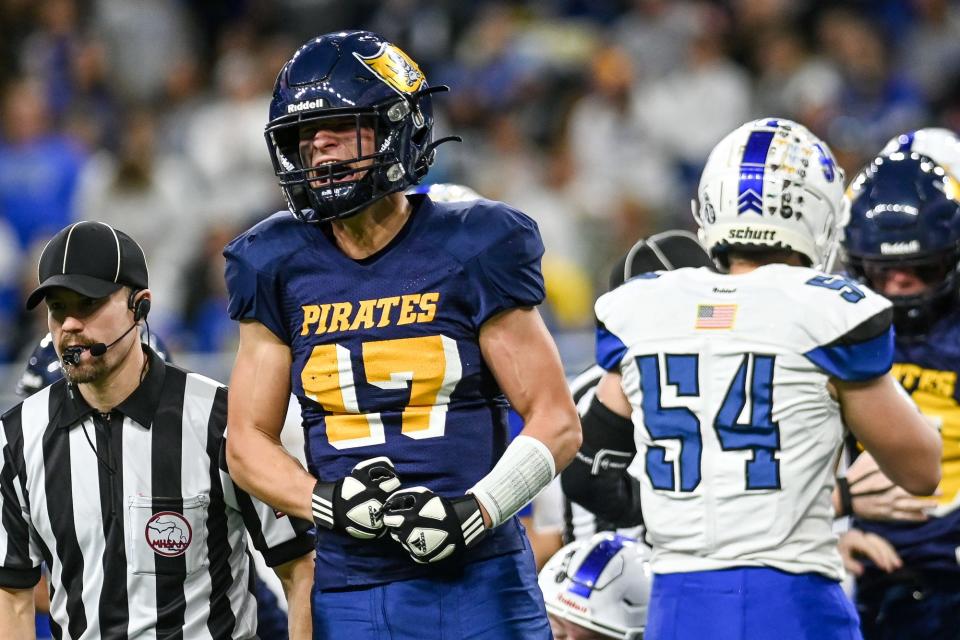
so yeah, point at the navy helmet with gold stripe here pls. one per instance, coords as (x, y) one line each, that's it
(354, 82)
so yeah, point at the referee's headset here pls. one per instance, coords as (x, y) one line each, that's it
(71, 355)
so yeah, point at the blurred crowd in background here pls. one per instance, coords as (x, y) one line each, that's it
(592, 116)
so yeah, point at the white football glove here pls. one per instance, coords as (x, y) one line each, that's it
(431, 527)
(352, 504)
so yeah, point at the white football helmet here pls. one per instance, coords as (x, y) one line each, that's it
(770, 183)
(940, 145)
(602, 584)
(445, 192)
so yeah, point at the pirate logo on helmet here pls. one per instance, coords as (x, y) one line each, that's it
(395, 68)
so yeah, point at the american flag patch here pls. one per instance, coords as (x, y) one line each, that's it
(715, 316)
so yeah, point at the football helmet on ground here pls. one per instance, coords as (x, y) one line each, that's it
(602, 584)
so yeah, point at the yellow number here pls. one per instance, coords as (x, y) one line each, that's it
(429, 366)
(328, 380)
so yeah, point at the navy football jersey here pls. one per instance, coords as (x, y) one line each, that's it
(928, 369)
(386, 354)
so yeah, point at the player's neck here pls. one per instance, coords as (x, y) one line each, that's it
(372, 229)
(105, 394)
(739, 265)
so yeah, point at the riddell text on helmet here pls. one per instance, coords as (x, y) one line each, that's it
(319, 103)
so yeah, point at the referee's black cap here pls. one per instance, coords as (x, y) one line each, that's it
(664, 251)
(91, 258)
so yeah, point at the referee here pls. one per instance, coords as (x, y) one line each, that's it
(115, 476)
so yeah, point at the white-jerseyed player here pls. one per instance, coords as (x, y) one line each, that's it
(739, 385)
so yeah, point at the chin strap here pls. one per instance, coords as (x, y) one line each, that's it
(430, 151)
(429, 154)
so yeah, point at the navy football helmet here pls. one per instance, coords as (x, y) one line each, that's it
(903, 211)
(44, 367)
(342, 81)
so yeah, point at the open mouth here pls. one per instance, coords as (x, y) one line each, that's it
(82, 345)
(333, 172)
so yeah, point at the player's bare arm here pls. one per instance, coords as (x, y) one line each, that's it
(256, 457)
(259, 394)
(296, 577)
(611, 394)
(855, 545)
(17, 613)
(905, 446)
(524, 359)
(874, 496)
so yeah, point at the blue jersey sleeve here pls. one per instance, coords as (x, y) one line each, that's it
(864, 353)
(252, 294)
(506, 274)
(610, 349)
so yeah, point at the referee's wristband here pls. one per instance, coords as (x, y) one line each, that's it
(846, 498)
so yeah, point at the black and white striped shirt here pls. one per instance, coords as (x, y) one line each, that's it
(140, 525)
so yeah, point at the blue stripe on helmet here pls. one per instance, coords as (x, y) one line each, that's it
(752, 166)
(585, 579)
(906, 141)
(826, 163)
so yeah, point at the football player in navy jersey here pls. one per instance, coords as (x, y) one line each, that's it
(903, 239)
(403, 326)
